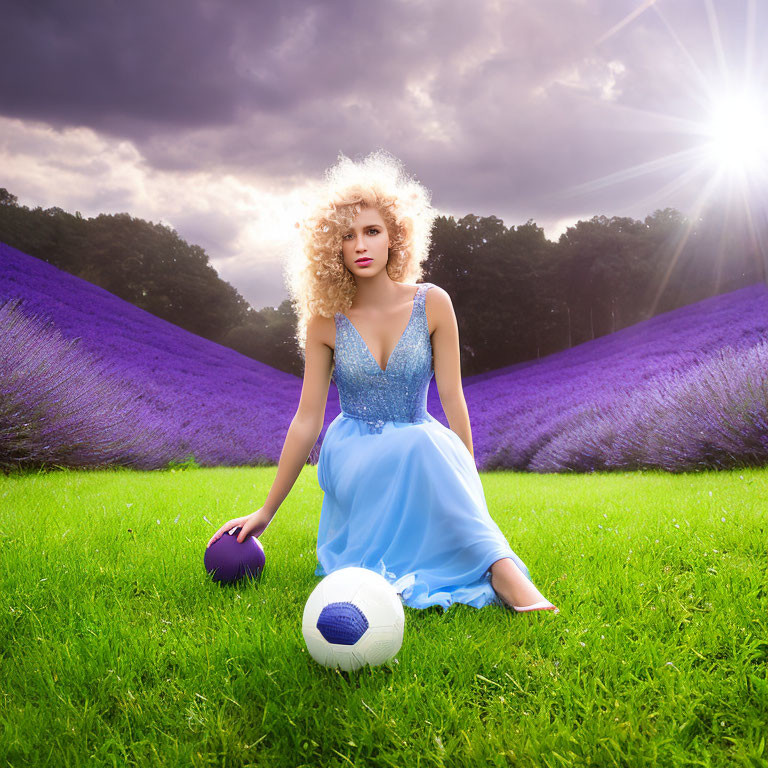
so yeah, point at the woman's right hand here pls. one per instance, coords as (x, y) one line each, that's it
(252, 525)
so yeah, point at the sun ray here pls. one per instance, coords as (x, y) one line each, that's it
(717, 42)
(700, 77)
(646, 120)
(720, 252)
(760, 248)
(633, 172)
(651, 200)
(698, 207)
(644, 6)
(749, 46)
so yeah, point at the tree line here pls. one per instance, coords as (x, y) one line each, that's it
(517, 295)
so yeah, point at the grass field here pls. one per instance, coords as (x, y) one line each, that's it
(118, 650)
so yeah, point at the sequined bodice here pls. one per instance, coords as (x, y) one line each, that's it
(397, 393)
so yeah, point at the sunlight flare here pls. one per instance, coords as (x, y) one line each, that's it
(738, 132)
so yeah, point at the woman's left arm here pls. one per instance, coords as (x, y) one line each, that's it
(445, 346)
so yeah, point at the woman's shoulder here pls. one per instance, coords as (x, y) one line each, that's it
(322, 328)
(433, 292)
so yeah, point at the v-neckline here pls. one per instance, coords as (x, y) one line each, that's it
(402, 335)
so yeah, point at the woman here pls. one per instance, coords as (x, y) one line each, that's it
(402, 495)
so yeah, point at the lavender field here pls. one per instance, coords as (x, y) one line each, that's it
(89, 380)
(685, 390)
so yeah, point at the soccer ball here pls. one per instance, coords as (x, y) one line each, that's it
(352, 618)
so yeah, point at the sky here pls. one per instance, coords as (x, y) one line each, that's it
(216, 116)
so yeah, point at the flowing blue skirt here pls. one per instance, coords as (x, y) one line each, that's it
(408, 504)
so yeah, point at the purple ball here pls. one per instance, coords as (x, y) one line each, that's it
(227, 560)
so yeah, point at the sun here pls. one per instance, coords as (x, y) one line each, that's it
(737, 134)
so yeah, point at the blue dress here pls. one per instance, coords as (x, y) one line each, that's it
(402, 496)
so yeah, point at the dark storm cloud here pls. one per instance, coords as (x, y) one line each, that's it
(136, 67)
(128, 67)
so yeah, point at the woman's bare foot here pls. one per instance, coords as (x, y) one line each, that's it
(511, 585)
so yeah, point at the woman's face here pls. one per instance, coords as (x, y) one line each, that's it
(364, 245)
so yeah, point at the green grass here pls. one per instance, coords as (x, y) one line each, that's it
(118, 650)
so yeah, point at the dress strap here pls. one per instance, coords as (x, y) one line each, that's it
(421, 294)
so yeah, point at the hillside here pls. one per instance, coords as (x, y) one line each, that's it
(202, 398)
(686, 389)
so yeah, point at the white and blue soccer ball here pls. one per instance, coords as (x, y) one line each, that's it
(353, 617)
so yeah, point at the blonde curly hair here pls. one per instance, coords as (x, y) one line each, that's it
(318, 281)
